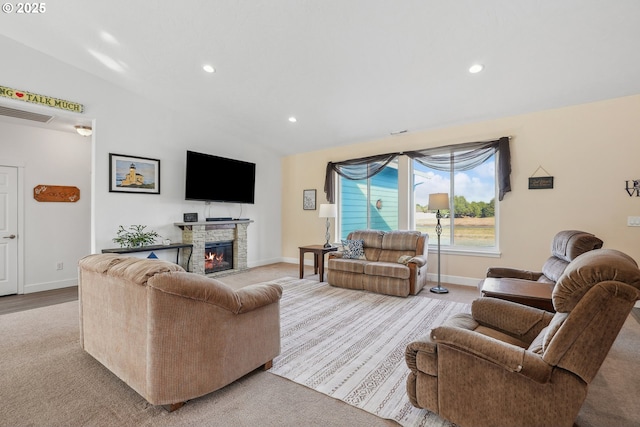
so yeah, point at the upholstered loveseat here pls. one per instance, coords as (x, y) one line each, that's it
(507, 364)
(171, 335)
(392, 262)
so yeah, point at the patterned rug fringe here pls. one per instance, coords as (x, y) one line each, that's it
(350, 345)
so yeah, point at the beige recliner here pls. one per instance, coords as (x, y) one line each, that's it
(507, 364)
(565, 247)
(171, 335)
(534, 288)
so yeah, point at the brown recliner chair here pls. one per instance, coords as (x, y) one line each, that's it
(509, 364)
(534, 288)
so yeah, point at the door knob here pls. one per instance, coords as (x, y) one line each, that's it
(12, 236)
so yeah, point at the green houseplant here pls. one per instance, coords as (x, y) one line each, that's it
(135, 236)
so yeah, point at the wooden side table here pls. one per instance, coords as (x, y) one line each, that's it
(527, 292)
(318, 258)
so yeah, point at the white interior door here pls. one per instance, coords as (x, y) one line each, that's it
(8, 230)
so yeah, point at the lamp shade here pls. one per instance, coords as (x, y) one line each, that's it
(327, 211)
(438, 201)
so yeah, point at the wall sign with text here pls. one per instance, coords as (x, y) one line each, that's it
(34, 98)
(540, 183)
(633, 187)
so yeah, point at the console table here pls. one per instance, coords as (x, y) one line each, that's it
(153, 248)
(318, 258)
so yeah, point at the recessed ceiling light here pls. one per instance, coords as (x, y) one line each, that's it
(208, 68)
(293, 119)
(476, 68)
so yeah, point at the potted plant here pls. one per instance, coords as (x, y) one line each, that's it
(135, 236)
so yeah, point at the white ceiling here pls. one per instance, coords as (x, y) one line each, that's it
(349, 70)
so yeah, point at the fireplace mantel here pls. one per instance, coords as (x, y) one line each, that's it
(201, 232)
(186, 225)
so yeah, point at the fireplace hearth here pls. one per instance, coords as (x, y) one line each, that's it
(218, 256)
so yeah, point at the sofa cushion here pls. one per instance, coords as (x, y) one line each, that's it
(590, 269)
(398, 243)
(387, 269)
(353, 249)
(400, 240)
(553, 269)
(347, 265)
(372, 242)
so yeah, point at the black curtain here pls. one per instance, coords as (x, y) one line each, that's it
(468, 156)
(459, 156)
(355, 169)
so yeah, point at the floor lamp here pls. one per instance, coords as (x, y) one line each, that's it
(327, 211)
(439, 201)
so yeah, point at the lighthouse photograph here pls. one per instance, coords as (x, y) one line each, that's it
(129, 174)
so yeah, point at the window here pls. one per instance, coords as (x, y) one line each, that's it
(472, 173)
(472, 193)
(369, 203)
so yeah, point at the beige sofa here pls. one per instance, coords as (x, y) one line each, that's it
(508, 364)
(392, 263)
(172, 335)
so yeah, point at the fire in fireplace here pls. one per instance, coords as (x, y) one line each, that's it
(218, 256)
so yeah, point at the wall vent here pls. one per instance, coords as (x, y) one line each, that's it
(25, 115)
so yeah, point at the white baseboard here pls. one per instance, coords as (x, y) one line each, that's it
(260, 263)
(47, 286)
(454, 280)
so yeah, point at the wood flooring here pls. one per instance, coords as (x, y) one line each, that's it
(14, 303)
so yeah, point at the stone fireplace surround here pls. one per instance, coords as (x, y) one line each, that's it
(199, 233)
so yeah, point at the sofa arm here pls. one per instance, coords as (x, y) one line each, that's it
(419, 260)
(516, 319)
(508, 356)
(255, 296)
(513, 273)
(212, 291)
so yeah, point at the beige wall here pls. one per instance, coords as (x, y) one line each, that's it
(590, 149)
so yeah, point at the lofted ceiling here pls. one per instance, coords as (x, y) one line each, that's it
(348, 70)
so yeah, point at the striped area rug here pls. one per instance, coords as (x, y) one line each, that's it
(350, 345)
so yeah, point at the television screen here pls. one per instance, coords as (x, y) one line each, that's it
(218, 179)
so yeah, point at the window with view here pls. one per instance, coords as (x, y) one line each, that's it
(472, 193)
(369, 203)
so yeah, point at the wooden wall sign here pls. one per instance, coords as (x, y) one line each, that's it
(540, 183)
(56, 193)
(35, 98)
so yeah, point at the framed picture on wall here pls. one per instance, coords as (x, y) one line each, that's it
(130, 174)
(309, 200)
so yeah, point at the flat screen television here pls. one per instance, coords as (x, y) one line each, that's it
(218, 179)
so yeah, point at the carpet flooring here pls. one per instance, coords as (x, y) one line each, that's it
(350, 345)
(46, 379)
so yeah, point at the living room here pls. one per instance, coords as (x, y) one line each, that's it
(589, 146)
